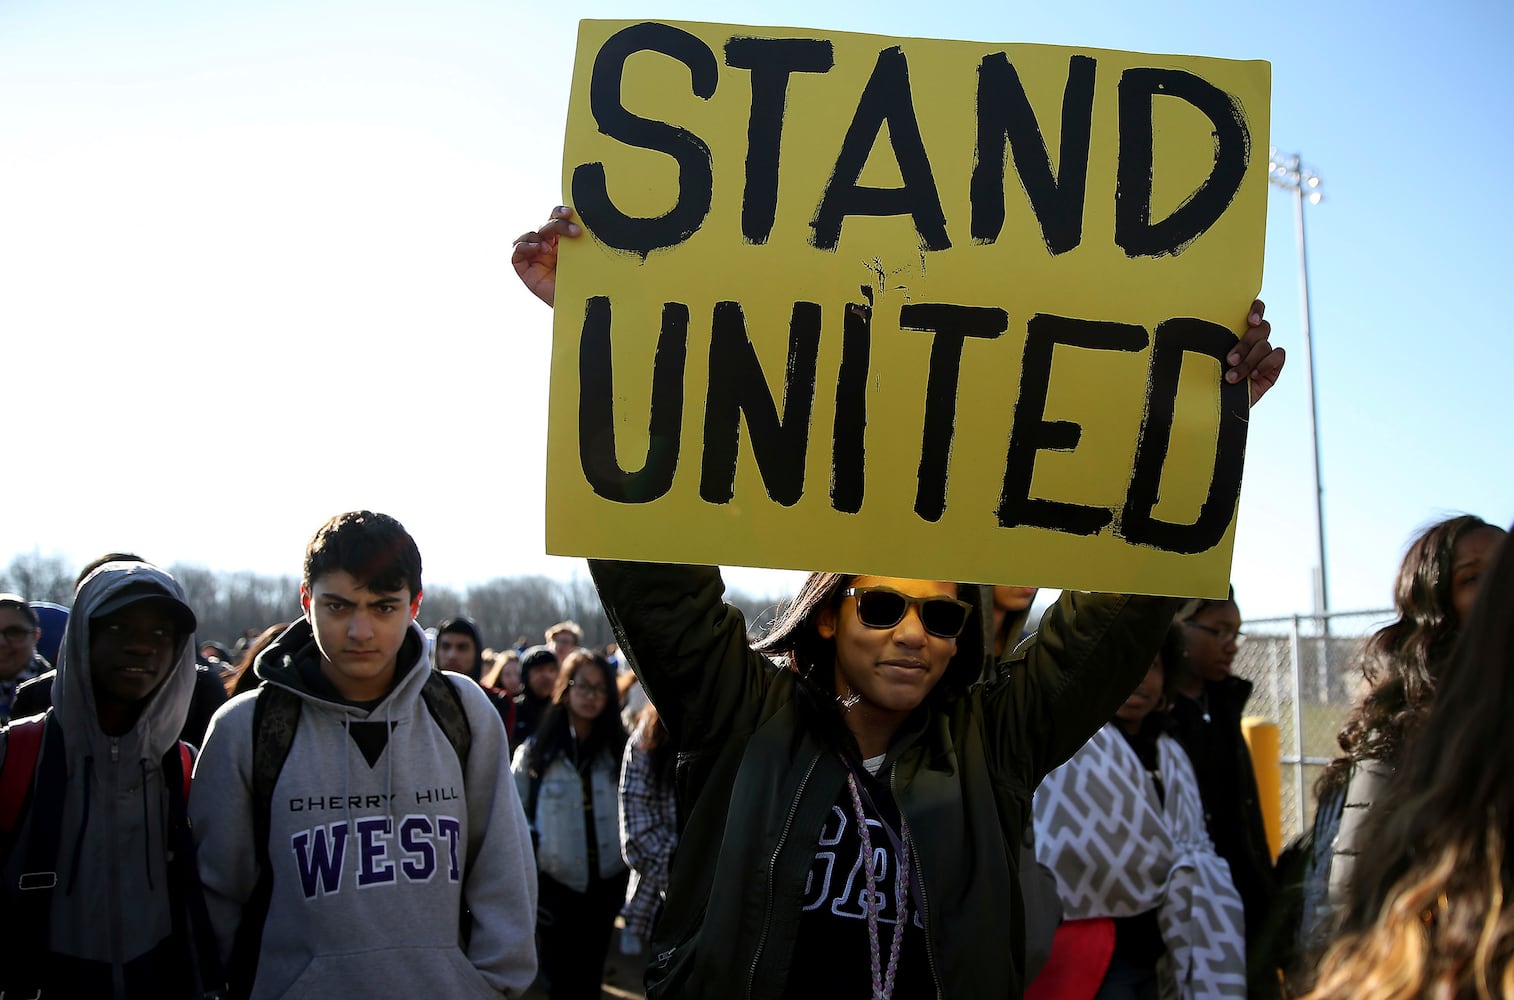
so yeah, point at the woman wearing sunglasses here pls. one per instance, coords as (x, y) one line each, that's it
(854, 787)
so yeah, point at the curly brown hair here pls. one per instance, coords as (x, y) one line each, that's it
(1426, 914)
(1402, 660)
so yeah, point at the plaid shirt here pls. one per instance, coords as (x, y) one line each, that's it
(648, 832)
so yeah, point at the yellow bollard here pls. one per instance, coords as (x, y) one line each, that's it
(1263, 742)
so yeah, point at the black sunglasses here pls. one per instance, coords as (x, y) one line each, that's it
(880, 607)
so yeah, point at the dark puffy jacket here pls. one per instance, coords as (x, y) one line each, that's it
(755, 784)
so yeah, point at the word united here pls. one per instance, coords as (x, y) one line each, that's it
(738, 390)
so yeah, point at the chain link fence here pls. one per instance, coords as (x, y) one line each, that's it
(1306, 671)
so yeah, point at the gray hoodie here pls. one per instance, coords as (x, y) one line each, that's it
(111, 904)
(375, 843)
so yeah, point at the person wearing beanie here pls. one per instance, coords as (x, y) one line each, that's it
(538, 675)
(459, 647)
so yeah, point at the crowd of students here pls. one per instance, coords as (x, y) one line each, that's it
(346, 764)
(842, 807)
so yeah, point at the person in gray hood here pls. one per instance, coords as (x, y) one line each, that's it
(386, 859)
(106, 916)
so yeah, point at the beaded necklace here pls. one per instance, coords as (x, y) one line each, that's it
(883, 981)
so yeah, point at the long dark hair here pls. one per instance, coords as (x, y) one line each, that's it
(793, 635)
(241, 678)
(657, 744)
(554, 735)
(1402, 661)
(1431, 904)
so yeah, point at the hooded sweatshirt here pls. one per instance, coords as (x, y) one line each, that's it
(463, 625)
(111, 929)
(376, 840)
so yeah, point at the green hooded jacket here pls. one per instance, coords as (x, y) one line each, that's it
(755, 783)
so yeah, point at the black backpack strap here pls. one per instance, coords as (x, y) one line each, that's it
(191, 916)
(446, 707)
(275, 718)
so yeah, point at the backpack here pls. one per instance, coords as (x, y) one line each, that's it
(33, 777)
(22, 748)
(1299, 925)
(275, 718)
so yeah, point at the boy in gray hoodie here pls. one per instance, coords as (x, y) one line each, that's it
(396, 861)
(104, 911)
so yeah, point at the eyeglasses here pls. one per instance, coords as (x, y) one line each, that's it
(1224, 635)
(16, 634)
(589, 690)
(881, 607)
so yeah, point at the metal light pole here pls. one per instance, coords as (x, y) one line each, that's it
(1289, 173)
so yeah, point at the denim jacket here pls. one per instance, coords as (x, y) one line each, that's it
(558, 826)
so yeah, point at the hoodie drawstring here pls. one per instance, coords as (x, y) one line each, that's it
(89, 780)
(147, 824)
(389, 773)
(347, 771)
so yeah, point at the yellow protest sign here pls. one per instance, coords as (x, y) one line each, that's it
(908, 307)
